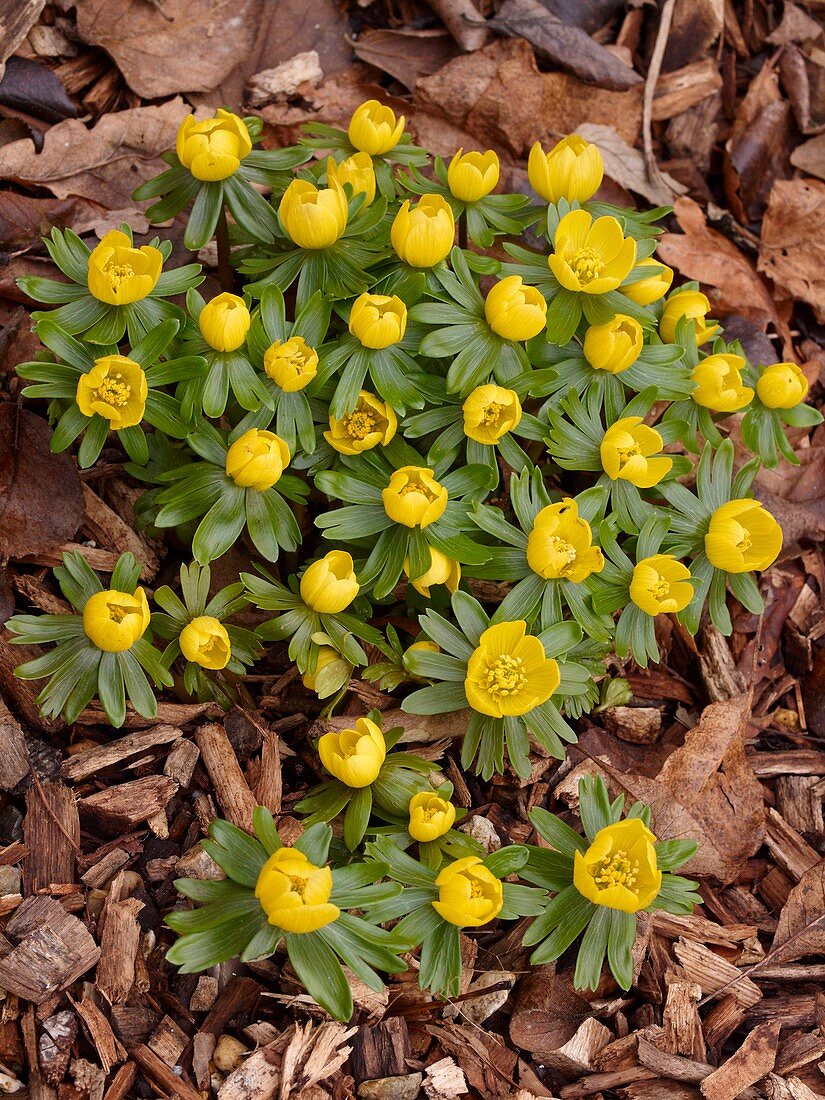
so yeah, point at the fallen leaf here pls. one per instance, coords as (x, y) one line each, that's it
(696, 24)
(796, 26)
(792, 248)
(547, 1010)
(626, 166)
(810, 156)
(404, 54)
(36, 90)
(801, 927)
(24, 220)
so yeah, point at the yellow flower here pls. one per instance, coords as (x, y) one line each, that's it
(115, 388)
(572, 170)
(471, 176)
(591, 256)
(469, 895)
(626, 451)
(357, 171)
(509, 673)
(378, 320)
(354, 756)
(119, 273)
(312, 217)
(653, 287)
(374, 128)
(114, 620)
(224, 322)
(424, 647)
(206, 642)
(619, 870)
(742, 536)
(661, 585)
(515, 311)
(371, 422)
(294, 893)
(423, 235)
(257, 459)
(719, 384)
(693, 305)
(413, 497)
(326, 657)
(490, 412)
(615, 345)
(213, 149)
(329, 584)
(782, 386)
(430, 816)
(561, 544)
(443, 570)
(291, 364)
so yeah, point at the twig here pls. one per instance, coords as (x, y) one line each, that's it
(225, 274)
(652, 79)
(462, 20)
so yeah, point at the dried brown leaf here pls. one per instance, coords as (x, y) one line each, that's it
(792, 249)
(801, 927)
(626, 166)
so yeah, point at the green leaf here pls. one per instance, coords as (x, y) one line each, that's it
(671, 854)
(357, 817)
(265, 828)
(203, 218)
(314, 843)
(236, 852)
(621, 935)
(111, 690)
(320, 972)
(557, 832)
(592, 950)
(203, 950)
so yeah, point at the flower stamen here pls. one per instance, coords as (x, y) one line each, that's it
(587, 264)
(505, 676)
(113, 390)
(615, 870)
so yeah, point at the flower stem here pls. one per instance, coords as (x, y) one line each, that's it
(462, 231)
(225, 273)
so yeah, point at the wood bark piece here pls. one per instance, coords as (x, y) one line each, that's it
(118, 947)
(168, 1082)
(14, 756)
(231, 788)
(50, 956)
(122, 1082)
(119, 809)
(381, 1050)
(713, 973)
(181, 762)
(168, 1041)
(280, 82)
(799, 801)
(752, 1061)
(690, 926)
(94, 760)
(55, 1045)
(684, 88)
(51, 833)
(682, 1024)
(639, 725)
(575, 1057)
(105, 868)
(99, 1030)
(256, 1078)
(108, 529)
(787, 847)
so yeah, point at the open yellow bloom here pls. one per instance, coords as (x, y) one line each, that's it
(114, 620)
(515, 311)
(591, 256)
(615, 345)
(374, 128)
(469, 895)
(719, 384)
(291, 364)
(472, 176)
(693, 305)
(224, 322)
(509, 672)
(257, 459)
(206, 642)
(430, 816)
(561, 544)
(742, 536)
(378, 320)
(626, 451)
(354, 756)
(371, 422)
(213, 149)
(782, 386)
(443, 570)
(329, 585)
(294, 893)
(653, 287)
(119, 273)
(572, 170)
(422, 235)
(313, 217)
(619, 870)
(661, 585)
(413, 497)
(357, 171)
(327, 655)
(115, 388)
(490, 412)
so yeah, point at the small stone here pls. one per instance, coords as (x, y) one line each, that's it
(391, 1088)
(481, 829)
(228, 1053)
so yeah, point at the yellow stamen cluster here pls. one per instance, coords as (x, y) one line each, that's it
(114, 390)
(587, 264)
(359, 424)
(616, 870)
(506, 676)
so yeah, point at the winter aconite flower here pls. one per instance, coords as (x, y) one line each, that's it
(430, 816)
(591, 256)
(329, 585)
(257, 459)
(630, 451)
(213, 149)
(114, 620)
(119, 273)
(413, 497)
(515, 311)
(782, 386)
(719, 385)
(357, 171)
(313, 217)
(443, 570)
(354, 756)
(205, 642)
(371, 422)
(572, 170)
(615, 345)
(490, 412)
(294, 893)
(742, 536)
(291, 364)
(374, 128)
(224, 322)
(422, 235)
(326, 657)
(472, 176)
(378, 320)
(116, 389)
(560, 544)
(693, 305)
(619, 870)
(653, 287)
(469, 895)
(661, 585)
(509, 672)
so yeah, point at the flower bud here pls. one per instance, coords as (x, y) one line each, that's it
(572, 170)
(443, 570)
(719, 384)
(515, 311)
(116, 389)
(292, 364)
(413, 497)
(661, 585)
(742, 536)
(114, 620)
(357, 171)
(257, 459)
(615, 345)
(354, 756)
(327, 656)
(652, 288)
(224, 322)
(294, 893)
(378, 320)
(693, 305)
(374, 128)
(119, 273)
(206, 642)
(472, 176)
(490, 412)
(469, 895)
(430, 816)
(213, 149)
(313, 218)
(371, 422)
(626, 450)
(329, 585)
(423, 235)
(782, 386)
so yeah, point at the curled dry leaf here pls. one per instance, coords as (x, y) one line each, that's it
(792, 249)
(801, 927)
